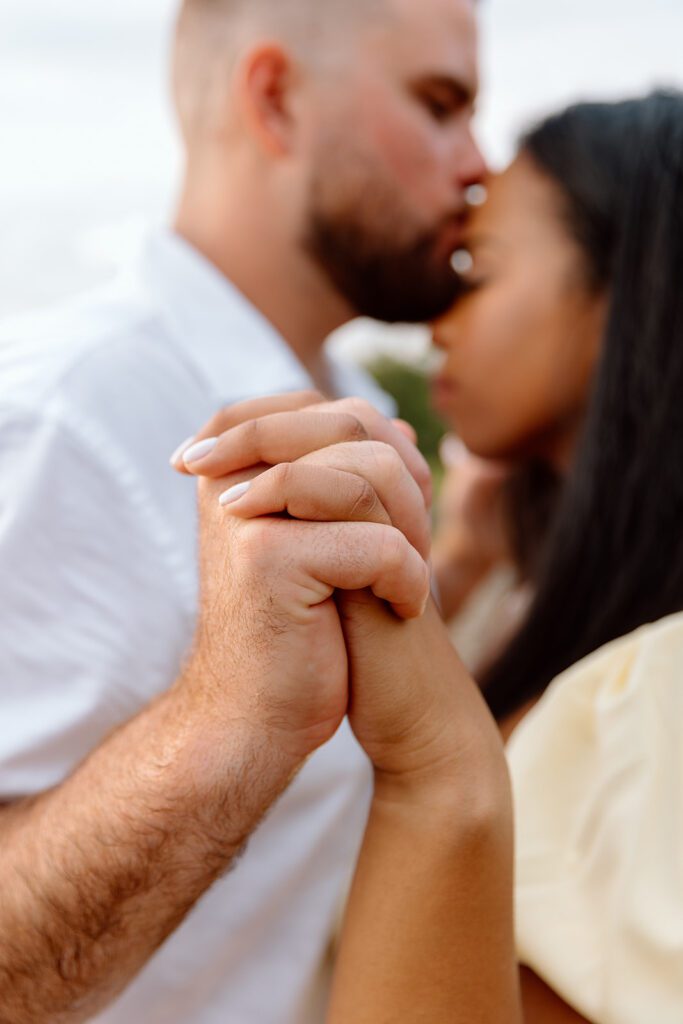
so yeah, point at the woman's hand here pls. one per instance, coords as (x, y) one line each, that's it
(428, 933)
(234, 440)
(344, 461)
(471, 537)
(414, 707)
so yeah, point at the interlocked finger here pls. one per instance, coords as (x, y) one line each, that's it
(279, 437)
(338, 483)
(251, 408)
(310, 492)
(286, 427)
(392, 432)
(352, 556)
(382, 466)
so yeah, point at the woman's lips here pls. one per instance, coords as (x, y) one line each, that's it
(443, 391)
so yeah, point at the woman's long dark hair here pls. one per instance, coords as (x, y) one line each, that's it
(612, 558)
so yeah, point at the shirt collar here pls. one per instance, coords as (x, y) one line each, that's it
(231, 345)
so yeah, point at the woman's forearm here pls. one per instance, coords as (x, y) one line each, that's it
(428, 933)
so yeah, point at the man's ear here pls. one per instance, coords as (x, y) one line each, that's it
(266, 84)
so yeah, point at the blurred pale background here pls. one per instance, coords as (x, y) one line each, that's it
(88, 149)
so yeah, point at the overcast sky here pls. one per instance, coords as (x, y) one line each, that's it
(88, 150)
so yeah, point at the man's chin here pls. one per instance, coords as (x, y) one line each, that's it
(409, 309)
(409, 287)
(420, 305)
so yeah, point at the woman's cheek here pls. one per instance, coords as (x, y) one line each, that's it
(496, 399)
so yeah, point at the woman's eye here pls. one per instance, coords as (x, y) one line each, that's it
(467, 286)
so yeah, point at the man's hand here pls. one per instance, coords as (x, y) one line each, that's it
(322, 468)
(106, 865)
(335, 482)
(439, 836)
(269, 633)
(269, 648)
(233, 439)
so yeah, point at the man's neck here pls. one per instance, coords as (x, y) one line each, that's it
(277, 278)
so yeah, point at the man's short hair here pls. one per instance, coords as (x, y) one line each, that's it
(211, 34)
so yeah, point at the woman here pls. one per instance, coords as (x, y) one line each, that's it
(565, 357)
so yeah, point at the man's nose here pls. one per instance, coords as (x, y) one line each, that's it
(471, 165)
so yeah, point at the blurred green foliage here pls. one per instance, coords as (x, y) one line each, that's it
(409, 386)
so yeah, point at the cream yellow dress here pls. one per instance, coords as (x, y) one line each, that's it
(597, 770)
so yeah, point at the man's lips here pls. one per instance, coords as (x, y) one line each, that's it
(451, 236)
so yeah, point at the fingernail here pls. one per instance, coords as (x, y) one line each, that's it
(175, 458)
(233, 493)
(199, 450)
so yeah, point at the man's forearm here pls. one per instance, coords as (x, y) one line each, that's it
(99, 871)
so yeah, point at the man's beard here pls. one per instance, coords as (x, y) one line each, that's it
(380, 276)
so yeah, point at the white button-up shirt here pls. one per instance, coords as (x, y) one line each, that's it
(98, 594)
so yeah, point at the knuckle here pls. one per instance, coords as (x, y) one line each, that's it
(390, 461)
(360, 407)
(258, 542)
(282, 476)
(250, 539)
(364, 501)
(354, 428)
(251, 432)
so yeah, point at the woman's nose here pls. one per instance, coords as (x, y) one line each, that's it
(441, 330)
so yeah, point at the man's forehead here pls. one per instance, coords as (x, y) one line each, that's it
(431, 38)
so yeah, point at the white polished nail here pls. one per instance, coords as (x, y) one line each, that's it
(200, 450)
(178, 453)
(233, 493)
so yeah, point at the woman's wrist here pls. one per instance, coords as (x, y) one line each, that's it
(472, 813)
(474, 788)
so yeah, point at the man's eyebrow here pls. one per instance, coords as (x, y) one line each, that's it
(461, 92)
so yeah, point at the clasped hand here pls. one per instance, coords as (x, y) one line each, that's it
(300, 570)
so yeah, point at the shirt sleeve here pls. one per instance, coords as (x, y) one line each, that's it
(597, 773)
(90, 624)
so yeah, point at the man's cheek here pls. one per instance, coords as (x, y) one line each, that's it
(407, 152)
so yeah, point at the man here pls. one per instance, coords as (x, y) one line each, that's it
(328, 153)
